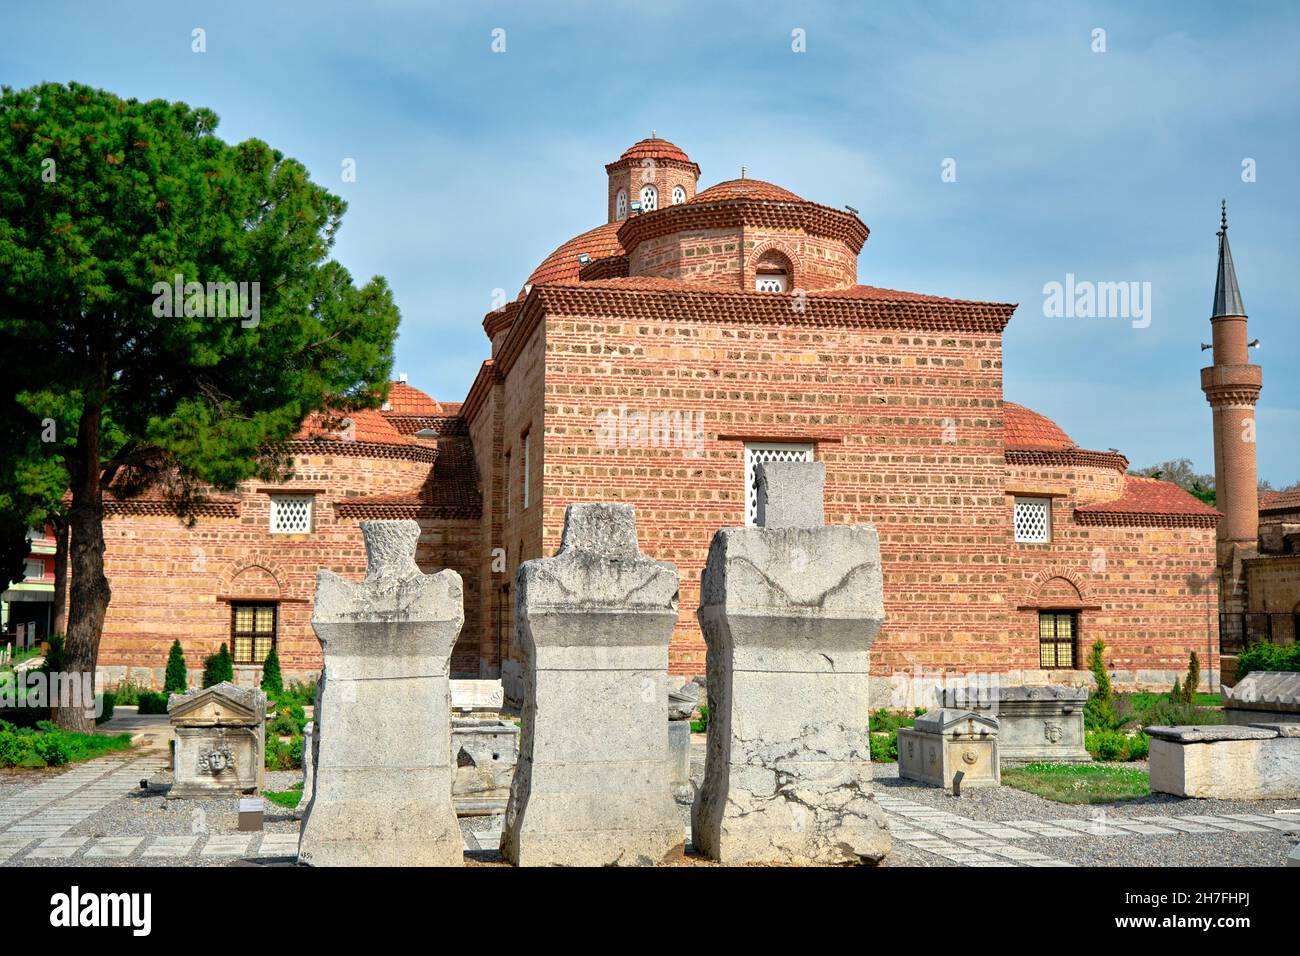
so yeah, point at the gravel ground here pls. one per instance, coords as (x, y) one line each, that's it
(1186, 849)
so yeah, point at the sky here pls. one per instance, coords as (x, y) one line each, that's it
(992, 149)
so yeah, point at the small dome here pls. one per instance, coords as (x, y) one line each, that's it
(655, 148)
(562, 265)
(1026, 430)
(746, 189)
(406, 399)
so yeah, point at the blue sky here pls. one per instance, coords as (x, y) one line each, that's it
(473, 165)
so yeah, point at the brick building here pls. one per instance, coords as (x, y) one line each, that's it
(653, 360)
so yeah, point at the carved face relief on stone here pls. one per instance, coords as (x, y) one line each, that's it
(1053, 732)
(215, 761)
(969, 756)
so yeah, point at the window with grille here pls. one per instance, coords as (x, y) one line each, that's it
(772, 282)
(679, 195)
(290, 514)
(649, 199)
(1056, 638)
(523, 464)
(1033, 520)
(620, 205)
(34, 570)
(252, 632)
(756, 452)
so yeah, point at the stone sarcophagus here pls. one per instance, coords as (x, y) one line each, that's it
(789, 611)
(383, 767)
(1035, 723)
(220, 741)
(1226, 761)
(1263, 697)
(943, 743)
(592, 785)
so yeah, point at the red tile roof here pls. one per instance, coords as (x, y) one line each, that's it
(745, 189)
(367, 425)
(1150, 496)
(655, 148)
(562, 265)
(406, 399)
(1280, 501)
(1026, 430)
(683, 286)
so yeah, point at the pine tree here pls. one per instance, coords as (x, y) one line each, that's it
(1193, 679)
(1098, 714)
(218, 667)
(272, 683)
(177, 680)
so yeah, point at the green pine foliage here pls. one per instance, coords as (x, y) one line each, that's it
(218, 667)
(105, 202)
(272, 682)
(177, 680)
(1099, 711)
(1193, 679)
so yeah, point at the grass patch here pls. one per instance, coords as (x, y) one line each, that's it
(48, 746)
(1147, 700)
(1079, 784)
(285, 798)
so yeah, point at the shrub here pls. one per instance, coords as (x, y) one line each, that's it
(1263, 656)
(304, 692)
(53, 748)
(1114, 745)
(55, 661)
(884, 747)
(127, 692)
(295, 750)
(177, 679)
(218, 667)
(152, 702)
(289, 719)
(1193, 679)
(14, 746)
(280, 756)
(108, 701)
(272, 683)
(1099, 711)
(701, 725)
(1176, 693)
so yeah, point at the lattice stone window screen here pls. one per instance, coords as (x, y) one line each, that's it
(1056, 633)
(756, 452)
(649, 199)
(770, 283)
(291, 514)
(620, 205)
(679, 195)
(1033, 520)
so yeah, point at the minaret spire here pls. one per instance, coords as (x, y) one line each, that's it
(1227, 295)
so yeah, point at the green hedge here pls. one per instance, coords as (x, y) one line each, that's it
(1268, 657)
(46, 745)
(1113, 745)
(152, 702)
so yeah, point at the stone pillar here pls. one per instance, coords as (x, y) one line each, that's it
(789, 612)
(383, 763)
(594, 622)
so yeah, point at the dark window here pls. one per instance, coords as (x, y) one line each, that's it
(1056, 635)
(252, 632)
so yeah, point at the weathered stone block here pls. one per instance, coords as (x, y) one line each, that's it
(486, 753)
(594, 621)
(383, 766)
(1263, 696)
(220, 741)
(790, 494)
(1225, 762)
(943, 743)
(679, 761)
(789, 616)
(1034, 723)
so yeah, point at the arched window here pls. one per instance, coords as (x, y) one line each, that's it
(620, 205)
(772, 273)
(649, 199)
(679, 195)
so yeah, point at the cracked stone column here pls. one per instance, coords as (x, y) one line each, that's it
(789, 612)
(383, 769)
(592, 785)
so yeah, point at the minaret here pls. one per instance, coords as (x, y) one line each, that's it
(1231, 386)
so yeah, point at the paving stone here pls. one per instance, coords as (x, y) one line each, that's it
(57, 848)
(1236, 826)
(170, 846)
(114, 847)
(1178, 823)
(1146, 829)
(226, 846)
(1273, 823)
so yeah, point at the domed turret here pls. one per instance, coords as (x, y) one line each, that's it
(650, 175)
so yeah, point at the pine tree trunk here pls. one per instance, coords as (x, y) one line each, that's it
(89, 596)
(60, 614)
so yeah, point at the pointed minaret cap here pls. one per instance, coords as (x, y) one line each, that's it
(1227, 296)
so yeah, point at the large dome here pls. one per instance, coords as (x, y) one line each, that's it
(655, 148)
(562, 265)
(1026, 430)
(746, 189)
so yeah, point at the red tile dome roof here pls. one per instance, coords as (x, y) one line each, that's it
(1026, 430)
(746, 189)
(406, 399)
(562, 265)
(655, 148)
(363, 425)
